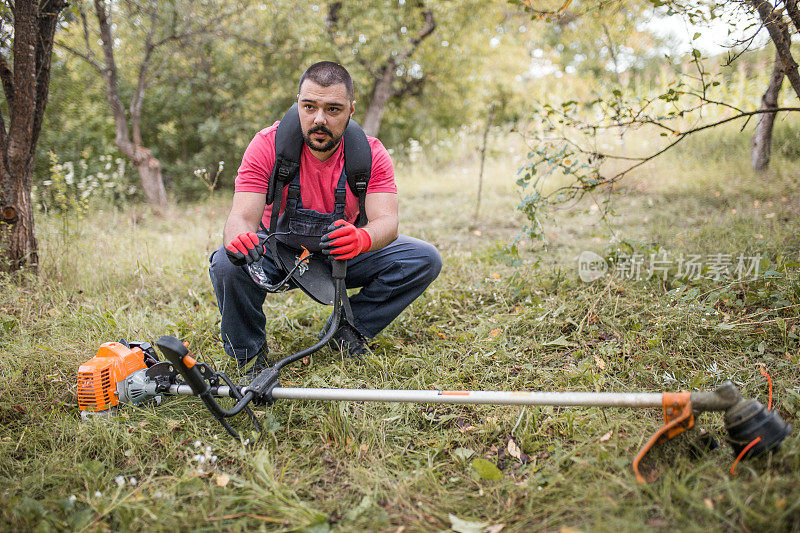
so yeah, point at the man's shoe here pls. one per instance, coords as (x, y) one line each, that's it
(257, 363)
(347, 339)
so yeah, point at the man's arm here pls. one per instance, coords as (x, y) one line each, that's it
(383, 219)
(245, 215)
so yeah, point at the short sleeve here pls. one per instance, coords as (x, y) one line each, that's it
(257, 162)
(382, 177)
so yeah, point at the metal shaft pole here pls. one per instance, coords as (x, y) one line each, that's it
(600, 399)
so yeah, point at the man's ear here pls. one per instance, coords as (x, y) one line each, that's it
(352, 108)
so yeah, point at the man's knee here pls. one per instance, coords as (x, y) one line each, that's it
(221, 268)
(422, 262)
(432, 261)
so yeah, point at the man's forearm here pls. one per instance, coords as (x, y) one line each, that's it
(382, 231)
(236, 225)
(245, 214)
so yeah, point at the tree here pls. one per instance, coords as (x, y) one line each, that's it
(25, 76)
(571, 131)
(392, 74)
(155, 25)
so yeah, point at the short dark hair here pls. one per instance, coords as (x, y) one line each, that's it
(327, 73)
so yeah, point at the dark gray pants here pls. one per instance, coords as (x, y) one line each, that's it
(391, 277)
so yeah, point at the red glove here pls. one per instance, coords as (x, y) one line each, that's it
(244, 249)
(345, 241)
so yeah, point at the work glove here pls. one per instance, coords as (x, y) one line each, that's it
(345, 241)
(244, 249)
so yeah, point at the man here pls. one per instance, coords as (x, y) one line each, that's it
(393, 270)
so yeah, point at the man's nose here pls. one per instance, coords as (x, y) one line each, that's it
(319, 117)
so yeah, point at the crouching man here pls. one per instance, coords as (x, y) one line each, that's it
(392, 270)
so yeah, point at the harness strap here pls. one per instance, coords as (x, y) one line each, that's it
(358, 166)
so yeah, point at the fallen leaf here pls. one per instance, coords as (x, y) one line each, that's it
(222, 480)
(515, 451)
(495, 332)
(487, 469)
(463, 453)
(769, 215)
(567, 529)
(496, 276)
(606, 437)
(708, 503)
(497, 528)
(780, 503)
(599, 362)
(307, 360)
(465, 526)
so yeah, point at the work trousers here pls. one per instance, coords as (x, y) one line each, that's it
(391, 278)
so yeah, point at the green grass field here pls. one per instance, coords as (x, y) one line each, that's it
(491, 321)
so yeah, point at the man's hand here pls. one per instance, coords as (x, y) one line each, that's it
(345, 241)
(244, 249)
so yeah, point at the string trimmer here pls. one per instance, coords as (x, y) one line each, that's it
(131, 373)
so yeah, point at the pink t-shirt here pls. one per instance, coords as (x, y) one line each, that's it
(318, 179)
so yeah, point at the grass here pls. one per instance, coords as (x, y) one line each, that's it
(491, 321)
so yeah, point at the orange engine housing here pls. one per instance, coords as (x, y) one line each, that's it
(98, 377)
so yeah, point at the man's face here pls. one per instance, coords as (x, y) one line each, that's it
(324, 114)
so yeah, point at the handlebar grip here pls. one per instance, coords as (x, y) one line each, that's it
(339, 268)
(177, 354)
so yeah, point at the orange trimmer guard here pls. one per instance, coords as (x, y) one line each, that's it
(678, 417)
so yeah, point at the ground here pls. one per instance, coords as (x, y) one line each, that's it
(493, 320)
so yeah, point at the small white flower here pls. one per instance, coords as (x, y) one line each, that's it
(208, 449)
(213, 459)
(72, 498)
(158, 494)
(133, 481)
(97, 494)
(197, 444)
(200, 471)
(120, 481)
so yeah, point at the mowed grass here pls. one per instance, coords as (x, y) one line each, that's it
(491, 321)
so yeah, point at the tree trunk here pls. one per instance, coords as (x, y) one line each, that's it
(381, 94)
(149, 169)
(779, 33)
(483, 159)
(26, 90)
(384, 75)
(762, 138)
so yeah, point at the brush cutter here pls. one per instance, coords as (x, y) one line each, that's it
(130, 373)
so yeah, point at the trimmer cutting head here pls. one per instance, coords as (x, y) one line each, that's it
(748, 420)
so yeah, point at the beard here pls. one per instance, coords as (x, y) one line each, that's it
(325, 146)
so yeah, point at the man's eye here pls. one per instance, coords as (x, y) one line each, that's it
(334, 110)
(308, 107)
